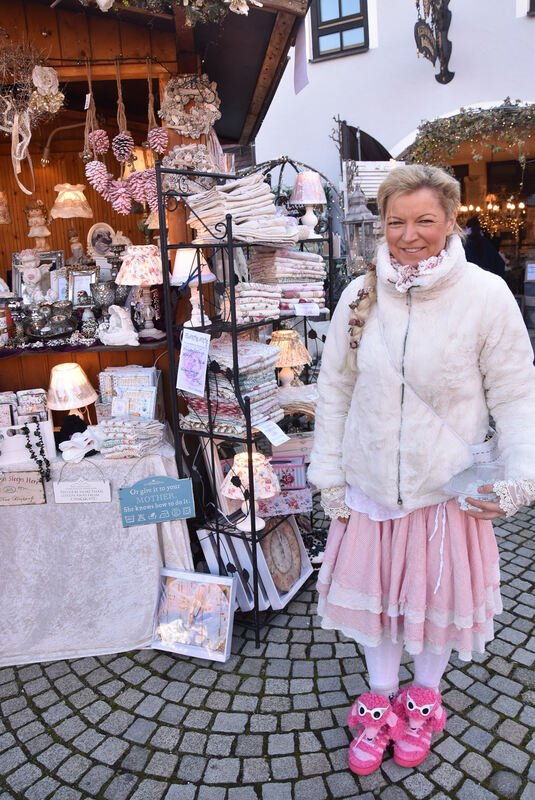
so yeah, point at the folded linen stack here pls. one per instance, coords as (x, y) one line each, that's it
(280, 265)
(254, 302)
(254, 215)
(257, 381)
(124, 438)
(293, 293)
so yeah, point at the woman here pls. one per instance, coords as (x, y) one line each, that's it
(419, 352)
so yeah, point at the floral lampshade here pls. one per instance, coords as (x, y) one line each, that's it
(70, 202)
(293, 351)
(308, 189)
(266, 483)
(185, 264)
(141, 266)
(69, 388)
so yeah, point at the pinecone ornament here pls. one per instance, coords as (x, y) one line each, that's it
(136, 181)
(151, 192)
(158, 139)
(121, 199)
(97, 175)
(122, 146)
(99, 141)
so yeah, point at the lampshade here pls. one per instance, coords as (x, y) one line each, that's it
(69, 388)
(138, 161)
(308, 189)
(141, 266)
(266, 483)
(185, 264)
(70, 202)
(293, 351)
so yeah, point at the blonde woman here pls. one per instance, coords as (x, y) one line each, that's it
(419, 353)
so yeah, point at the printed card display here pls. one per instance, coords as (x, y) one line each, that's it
(82, 491)
(307, 309)
(192, 362)
(21, 489)
(272, 431)
(156, 499)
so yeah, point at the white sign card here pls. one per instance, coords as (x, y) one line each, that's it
(273, 432)
(192, 362)
(82, 491)
(21, 488)
(530, 272)
(307, 310)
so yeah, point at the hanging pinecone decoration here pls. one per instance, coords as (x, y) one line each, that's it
(136, 181)
(151, 192)
(158, 139)
(121, 199)
(99, 141)
(122, 146)
(97, 175)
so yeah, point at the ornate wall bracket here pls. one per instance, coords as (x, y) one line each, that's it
(431, 35)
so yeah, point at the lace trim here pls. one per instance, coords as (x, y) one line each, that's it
(333, 502)
(512, 495)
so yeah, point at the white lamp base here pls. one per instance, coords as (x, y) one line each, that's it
(196, 320)
(310, 220)
(246, 524)
(286, 376)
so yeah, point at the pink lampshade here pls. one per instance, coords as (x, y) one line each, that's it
(186, 264)
(266, 483)
(141, 266)
(308, 189)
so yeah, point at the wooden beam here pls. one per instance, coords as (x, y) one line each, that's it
(276, 52)
(77, 72)
(298, 8)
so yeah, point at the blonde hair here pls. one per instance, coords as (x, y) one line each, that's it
(401, 180)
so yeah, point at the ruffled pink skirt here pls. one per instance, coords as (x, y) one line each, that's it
(431, 578)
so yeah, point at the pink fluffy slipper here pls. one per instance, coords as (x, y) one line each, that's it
(374, 713)
(420, 714)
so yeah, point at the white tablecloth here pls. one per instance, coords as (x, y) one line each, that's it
(73, 581)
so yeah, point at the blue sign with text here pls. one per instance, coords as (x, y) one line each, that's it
(156, 499)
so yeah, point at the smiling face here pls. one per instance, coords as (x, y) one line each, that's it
(416, 226)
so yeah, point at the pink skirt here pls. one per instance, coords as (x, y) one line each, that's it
(431, 578)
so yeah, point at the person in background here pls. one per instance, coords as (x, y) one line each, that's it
(420, 351)
(480, 250)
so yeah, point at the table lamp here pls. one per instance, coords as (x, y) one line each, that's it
(293, 354)
(308, 191)
(236, 481)
(142, 267)
(70, 202)
(187, 264)
(69, 389)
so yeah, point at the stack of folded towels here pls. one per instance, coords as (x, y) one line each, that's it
(299, 275)
(254, 302)
(254, 215)
(122, 438)
(256, 363)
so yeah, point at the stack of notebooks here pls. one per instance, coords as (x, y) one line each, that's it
(128, 392)
(256, 363)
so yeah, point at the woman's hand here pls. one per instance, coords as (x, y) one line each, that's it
(489, 510)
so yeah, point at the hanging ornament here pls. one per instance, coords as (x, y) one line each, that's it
(158, 137)
(90, 150)
(151, 190)
(121, 199)
(122, 144)
(99, 141)
(136, 181)
(97, 175)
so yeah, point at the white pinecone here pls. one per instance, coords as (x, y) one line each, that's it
(158, 139)
(121, 199)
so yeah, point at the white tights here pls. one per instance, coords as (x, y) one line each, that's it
(383, 664)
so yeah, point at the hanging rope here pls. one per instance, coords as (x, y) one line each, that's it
(121, 113)
(91, 117)
(150, 112)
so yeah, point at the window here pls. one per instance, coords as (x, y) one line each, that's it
(531, 8)
(339, 27)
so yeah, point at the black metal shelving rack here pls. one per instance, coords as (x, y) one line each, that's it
(169, 200)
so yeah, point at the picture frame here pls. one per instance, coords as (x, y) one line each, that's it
(79, 279)
(56, 258)
(195, 614)
(99, 239)
(61, 286)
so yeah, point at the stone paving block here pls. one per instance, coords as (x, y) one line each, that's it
(162, 764)
(509, 756)
(39, 744)
(136, 675)
(252, 666)
(315, 764)
(484, 716)
(342, 784)
(149, 706)
(447, 777)
(328, 684)
(172, 714)
(418, 786)
(477, 739)
(249, 745)
(270, 705)
(88, 740)
(505, 784)
(193, 742)
(222, 770)
(174, 691)
(313, 787)
(263, 723)
(191, 768)
(335, 737)
(149, 790)
(110, 751)
(6, 740)
(181, 791)
(198, 719)
(72, 769)
(67, 793)
(93, 780)
(27, 732)
(135, 759)
(96, 711)
(52, 757)
(70, 728)
(42, 789)
(212, 793)
(166, 737)
(255, 770)
(220, 701)
(284, 768)
(305, 702)
(394, 771)
(393, 793)
(117, 722)
(120, 787)
(219, 745)
(23, 777)
(9, 689)
(140, 730)
(472, 791)
(450, 749)
(11, 706)
(281, 744)
(320, 719)
(308, 742)
(529, 792)
(512, 731)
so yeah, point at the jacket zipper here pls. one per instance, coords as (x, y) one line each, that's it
(408, 302)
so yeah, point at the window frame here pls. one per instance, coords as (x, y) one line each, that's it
(338, 25)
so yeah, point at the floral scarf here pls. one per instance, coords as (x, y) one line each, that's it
(409, 273)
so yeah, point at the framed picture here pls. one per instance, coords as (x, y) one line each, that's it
(61, 285)
(56, 259)
(99, 239)
(195, 614)
(79, 280)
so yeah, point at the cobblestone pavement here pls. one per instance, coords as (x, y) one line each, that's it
(270, 723)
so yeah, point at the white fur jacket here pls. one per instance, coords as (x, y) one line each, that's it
(459, 340)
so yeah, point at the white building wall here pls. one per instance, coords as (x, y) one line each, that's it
(388, 90)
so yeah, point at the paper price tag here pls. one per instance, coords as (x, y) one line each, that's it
(272, 432)
(82, 491)
(192, 363)
(307, 309)
(87, 101)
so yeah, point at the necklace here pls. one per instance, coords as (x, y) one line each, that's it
(43, 464)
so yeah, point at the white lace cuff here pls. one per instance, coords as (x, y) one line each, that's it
(514, 494)
(333, 502)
